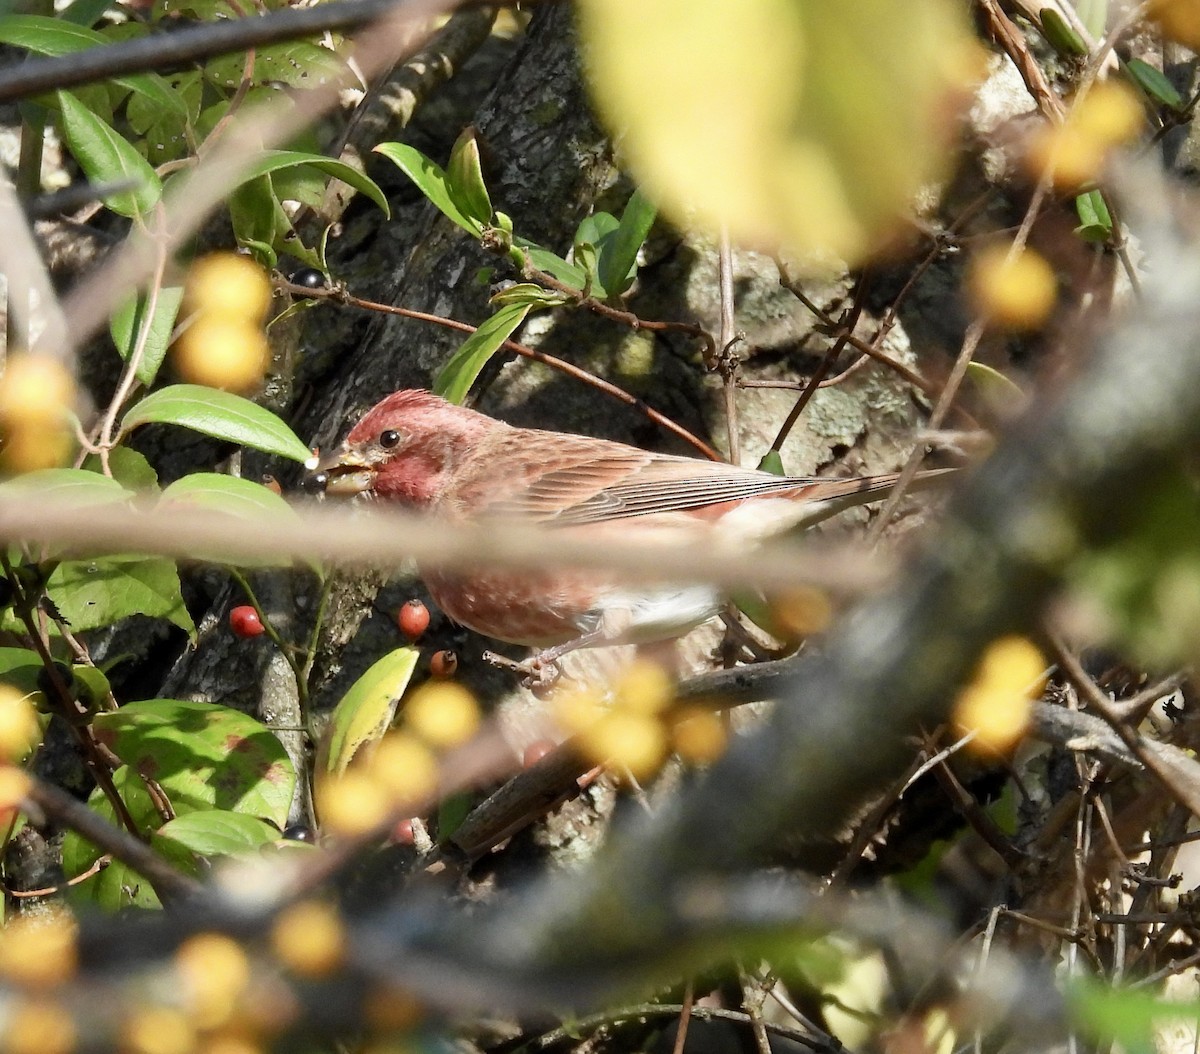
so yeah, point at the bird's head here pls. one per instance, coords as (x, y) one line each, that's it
(402, 449)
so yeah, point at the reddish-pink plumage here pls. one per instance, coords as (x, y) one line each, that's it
(419, 450)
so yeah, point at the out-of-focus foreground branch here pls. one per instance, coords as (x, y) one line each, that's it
(1072, 474)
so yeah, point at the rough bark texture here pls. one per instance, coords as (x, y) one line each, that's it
(548, 165)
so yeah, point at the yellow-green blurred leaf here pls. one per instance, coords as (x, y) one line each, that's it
(799, 123)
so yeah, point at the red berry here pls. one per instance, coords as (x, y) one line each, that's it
(413, 619)
(443, 665)
(244, 622)
(536, 750)
(402, 833)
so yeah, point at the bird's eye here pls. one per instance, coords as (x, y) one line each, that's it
(389, 439)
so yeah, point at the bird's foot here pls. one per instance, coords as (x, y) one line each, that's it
(538, 673)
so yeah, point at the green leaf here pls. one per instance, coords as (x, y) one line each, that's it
(106, 157)
(1095, 223)
(167, 134)
(242, 498)
(771, 462)
(213, 833)
(91, 594)
(129, 468)
(1094, 15)
(127, 322)
(528, 293)
(454, 379)
(464, 180)
(552, 264)
(204, 756)
(1131, 1017)
(590, 235)
(617, 265)
(20, 667)
(61, 36)
(1154, 83)
(74, 485)
(257, 215)
(228, 494)
(116, 887)
(826, 121)
(452, 810)
(85, 12)
(430, 180)
(593, 229)
(1060, 35)
(278, 160)
(221, 415)
(297, 63)
(998, 391)
(366, 710)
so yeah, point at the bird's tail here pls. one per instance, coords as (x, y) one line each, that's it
(832, 496)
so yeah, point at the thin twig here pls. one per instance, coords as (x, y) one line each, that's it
(849, 321)
(341, 295)
(169, 884)
(165, 52)
(727, 360)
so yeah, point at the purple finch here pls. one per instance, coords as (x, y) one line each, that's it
(422, 452)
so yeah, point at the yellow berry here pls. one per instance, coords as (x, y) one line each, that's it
(1179, 20)
(309, 938)
(36, 393)
(997, 703)
(220, 352)
(15, 785)
(389, 1009)
(700, 736)
(33, 445)
(229, 286)
(158, 1030)
(215, 972)
(19, 728)
(229, 1044)
(801, 612)
(38, 951)
(631, 740)
(351, 804)
(443, 713)
(578, 709)
(1109, 114)
(1070, 158)
(35, 388)
(1014, 292)
(645, 687)
(39, 1026)
(405, 767)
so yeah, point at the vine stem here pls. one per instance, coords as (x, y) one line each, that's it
(23, 606)
(104, 441)
(340, 295)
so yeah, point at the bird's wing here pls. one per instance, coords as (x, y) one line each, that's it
(591, 481)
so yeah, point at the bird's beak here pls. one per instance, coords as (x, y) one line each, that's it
(342, 474)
